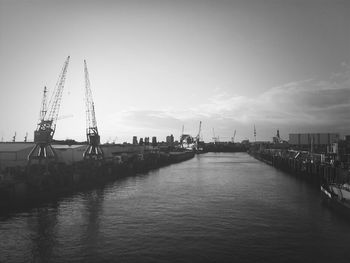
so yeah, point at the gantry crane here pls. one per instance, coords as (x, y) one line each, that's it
(43, 135)
(93, 150)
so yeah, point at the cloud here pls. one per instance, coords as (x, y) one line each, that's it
(307, 105)
(312, 102)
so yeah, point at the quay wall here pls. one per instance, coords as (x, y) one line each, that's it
(23, 186)
(313, 172)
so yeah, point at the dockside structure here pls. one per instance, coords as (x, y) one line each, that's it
(311, 167)
(22, 185)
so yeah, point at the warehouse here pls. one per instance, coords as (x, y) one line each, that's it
(14, 153)
(317, 139)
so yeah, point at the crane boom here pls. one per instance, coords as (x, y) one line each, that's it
(43, 105)
(234, 135)
(55, 101)
(90, 108)
(93, 150)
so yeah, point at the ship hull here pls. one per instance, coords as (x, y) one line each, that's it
(332, 197)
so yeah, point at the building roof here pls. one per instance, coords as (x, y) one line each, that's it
(19, 146)
(63, 146)
(15, 146)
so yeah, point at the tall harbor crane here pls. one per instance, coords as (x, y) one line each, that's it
(233, 138)
(254, 134)
(197, 138)
(93, 150)
(215, 139)
(182, 136)
(46, 127)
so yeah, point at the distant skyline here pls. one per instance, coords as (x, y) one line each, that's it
(157, 65)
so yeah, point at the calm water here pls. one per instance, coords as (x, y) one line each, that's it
(224, 207)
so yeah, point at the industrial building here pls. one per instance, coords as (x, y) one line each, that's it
(69, 154)
(317, 139)
(14, 154)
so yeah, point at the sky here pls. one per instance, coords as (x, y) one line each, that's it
(155, 66)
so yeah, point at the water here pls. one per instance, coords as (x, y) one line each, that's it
(224, 207)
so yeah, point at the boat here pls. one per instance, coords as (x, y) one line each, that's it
(337, 196)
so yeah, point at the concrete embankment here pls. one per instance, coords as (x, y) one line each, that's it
(35, 184)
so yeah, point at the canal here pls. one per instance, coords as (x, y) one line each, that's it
(216, 207)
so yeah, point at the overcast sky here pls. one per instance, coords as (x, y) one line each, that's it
(156, 65)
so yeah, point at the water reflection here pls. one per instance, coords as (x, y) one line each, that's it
(93, 210)
(42, 226)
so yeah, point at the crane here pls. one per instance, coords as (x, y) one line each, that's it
(182, 136)
(46, 127)
(234, 135)
(215, 139)
(254, 133)
(197, 138)
(93, 150)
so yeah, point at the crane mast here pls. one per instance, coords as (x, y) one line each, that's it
(93, 150)
(46, 127)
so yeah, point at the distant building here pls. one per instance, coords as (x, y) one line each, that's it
(154, 141)
(141, 141)
(316, 139)
(170, 139)
(245, 142)
(146, 140)
(134, 140)
(277, 139)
